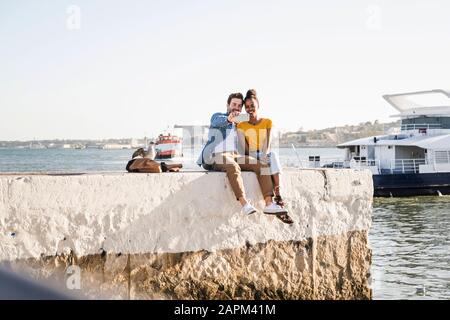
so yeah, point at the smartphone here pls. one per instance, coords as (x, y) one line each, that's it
(242, 117)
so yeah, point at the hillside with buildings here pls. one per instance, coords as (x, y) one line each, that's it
(330, 137)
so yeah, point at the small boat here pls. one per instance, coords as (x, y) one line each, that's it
(36, 145)
(168, 146)
(416, 159)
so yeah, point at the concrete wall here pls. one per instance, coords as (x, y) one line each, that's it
(182, 235)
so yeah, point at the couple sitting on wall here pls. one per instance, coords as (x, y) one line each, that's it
(235, 145)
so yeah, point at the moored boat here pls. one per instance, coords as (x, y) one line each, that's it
(414, 161)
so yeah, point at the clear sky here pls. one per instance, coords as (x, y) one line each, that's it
(129, 68)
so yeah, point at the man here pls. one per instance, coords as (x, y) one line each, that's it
(221, 154)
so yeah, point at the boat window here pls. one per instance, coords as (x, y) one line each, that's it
(425, 122)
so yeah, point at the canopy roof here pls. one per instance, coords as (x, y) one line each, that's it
(413, 104)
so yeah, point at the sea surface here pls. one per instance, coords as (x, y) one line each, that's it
(102, 160)
(410, 237)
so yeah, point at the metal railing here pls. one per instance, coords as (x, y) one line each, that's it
(417, 126)
(337, 163)
(394, 166)
(362, 164)
(404, 166)
(441, 156)
(391, 167)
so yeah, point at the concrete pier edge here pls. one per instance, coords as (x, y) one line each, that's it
(182, 235)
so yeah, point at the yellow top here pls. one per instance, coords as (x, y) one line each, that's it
(255, 135)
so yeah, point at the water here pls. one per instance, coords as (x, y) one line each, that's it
(410, 237)
(63, 160)
(90, 160)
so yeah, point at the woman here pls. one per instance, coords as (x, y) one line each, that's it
(254, 137)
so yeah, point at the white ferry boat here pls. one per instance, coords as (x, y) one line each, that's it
(414, 161)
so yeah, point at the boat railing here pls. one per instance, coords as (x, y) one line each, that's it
(319, 162)
(366, 163)
(405, 165)
(440, 156)
(337, 163)
(394, 166)
(418, 126)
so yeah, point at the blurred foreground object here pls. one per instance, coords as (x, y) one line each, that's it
(15, 287)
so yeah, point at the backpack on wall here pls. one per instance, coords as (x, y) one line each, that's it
(144, 165)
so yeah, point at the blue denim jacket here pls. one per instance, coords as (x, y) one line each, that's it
(218, 129)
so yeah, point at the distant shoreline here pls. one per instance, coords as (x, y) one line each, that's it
(195, 147)
(319, 138)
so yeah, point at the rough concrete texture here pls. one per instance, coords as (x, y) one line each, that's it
(183, 236)
(328, 267)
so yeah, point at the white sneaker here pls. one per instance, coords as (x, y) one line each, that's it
(274, 209)
(248, 209)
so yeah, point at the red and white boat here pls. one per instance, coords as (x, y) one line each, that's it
(168, 146)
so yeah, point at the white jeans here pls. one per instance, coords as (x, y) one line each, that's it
(274, 161)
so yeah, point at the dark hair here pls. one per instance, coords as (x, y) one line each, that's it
(237, 95)
(251, 94)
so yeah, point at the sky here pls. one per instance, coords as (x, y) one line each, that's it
(111, 69)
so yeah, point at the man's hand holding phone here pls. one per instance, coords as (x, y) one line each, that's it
(238, 117)
(242, 117)
(232, 116)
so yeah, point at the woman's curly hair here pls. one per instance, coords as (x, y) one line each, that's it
(251, 94)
